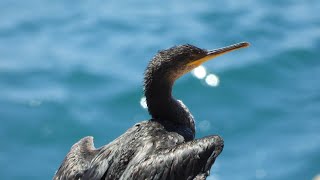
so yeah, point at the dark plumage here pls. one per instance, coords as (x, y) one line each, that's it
(162, 147)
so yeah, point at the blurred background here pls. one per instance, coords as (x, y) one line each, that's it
(70, 69)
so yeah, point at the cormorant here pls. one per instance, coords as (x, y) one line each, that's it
(162, 147)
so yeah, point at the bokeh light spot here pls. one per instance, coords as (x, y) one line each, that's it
(199, 72)
(317, 177)
(143, 103)
(212, 80)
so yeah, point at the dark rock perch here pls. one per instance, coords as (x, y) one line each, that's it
(162, 147)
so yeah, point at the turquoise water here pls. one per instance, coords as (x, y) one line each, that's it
(75, 68)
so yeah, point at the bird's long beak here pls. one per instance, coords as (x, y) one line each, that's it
(217, 52)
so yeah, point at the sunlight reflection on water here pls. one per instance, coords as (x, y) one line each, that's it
(143, 103)
(200, 72)
(210, 79)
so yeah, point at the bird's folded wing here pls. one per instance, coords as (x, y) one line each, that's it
(189, 160)
(77, 160)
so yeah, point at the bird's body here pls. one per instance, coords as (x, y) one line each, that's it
(161, 148)
(148, 150)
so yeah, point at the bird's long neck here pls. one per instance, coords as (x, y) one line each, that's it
(162, 106)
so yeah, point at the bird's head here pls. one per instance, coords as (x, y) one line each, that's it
(170, 64)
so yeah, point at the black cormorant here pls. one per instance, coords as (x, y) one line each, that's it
(162, 147)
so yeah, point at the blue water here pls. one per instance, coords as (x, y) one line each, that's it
(69, 69)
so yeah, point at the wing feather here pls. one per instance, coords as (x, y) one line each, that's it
(77, 160)
(184, 161)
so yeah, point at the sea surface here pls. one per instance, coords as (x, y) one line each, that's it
(70, 69)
